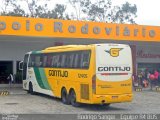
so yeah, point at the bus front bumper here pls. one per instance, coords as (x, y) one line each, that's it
(110, 98)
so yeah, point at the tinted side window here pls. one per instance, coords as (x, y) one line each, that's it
(44, 63)
(56, 61)
(63, 61)
(38, 60)
(32, 60)
(25, 66)
(76, 59)
(49, 60)
(35, 60)
(85, 60)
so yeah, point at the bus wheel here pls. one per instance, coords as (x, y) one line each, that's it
(64, 96)
(73, 101)
(30, 88)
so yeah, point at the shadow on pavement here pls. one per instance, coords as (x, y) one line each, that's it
(88, 107)
(100, 108)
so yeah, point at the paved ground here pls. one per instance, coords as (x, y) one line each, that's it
(19, 102)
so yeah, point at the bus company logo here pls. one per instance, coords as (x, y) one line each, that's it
(114, 52)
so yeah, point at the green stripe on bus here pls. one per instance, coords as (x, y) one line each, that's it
(38, 78)
(44, 79)
(34, 52)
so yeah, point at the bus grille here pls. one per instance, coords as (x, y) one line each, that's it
(85, 91)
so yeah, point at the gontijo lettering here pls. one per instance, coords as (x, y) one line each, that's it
(116, 68)
(58, 73)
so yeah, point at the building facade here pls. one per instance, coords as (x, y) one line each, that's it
(19, 35)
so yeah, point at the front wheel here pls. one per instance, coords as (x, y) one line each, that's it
(30, 89)
(73, 100)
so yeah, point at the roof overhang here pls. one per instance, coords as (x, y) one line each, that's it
(54, 28)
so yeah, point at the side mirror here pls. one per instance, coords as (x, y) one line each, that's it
(21, 65)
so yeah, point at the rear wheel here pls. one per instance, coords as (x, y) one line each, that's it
(73, 100)
(64, 96)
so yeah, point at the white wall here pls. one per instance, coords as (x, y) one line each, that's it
(15, 50)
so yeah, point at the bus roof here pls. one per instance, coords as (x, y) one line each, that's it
(80, 46)
(66, 47)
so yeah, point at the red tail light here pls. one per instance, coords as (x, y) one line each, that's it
(114, 73)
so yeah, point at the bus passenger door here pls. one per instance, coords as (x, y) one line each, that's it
(25, 73)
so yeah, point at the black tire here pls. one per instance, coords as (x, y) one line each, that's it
(72, 98)
(64, 96)
(30, 89)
